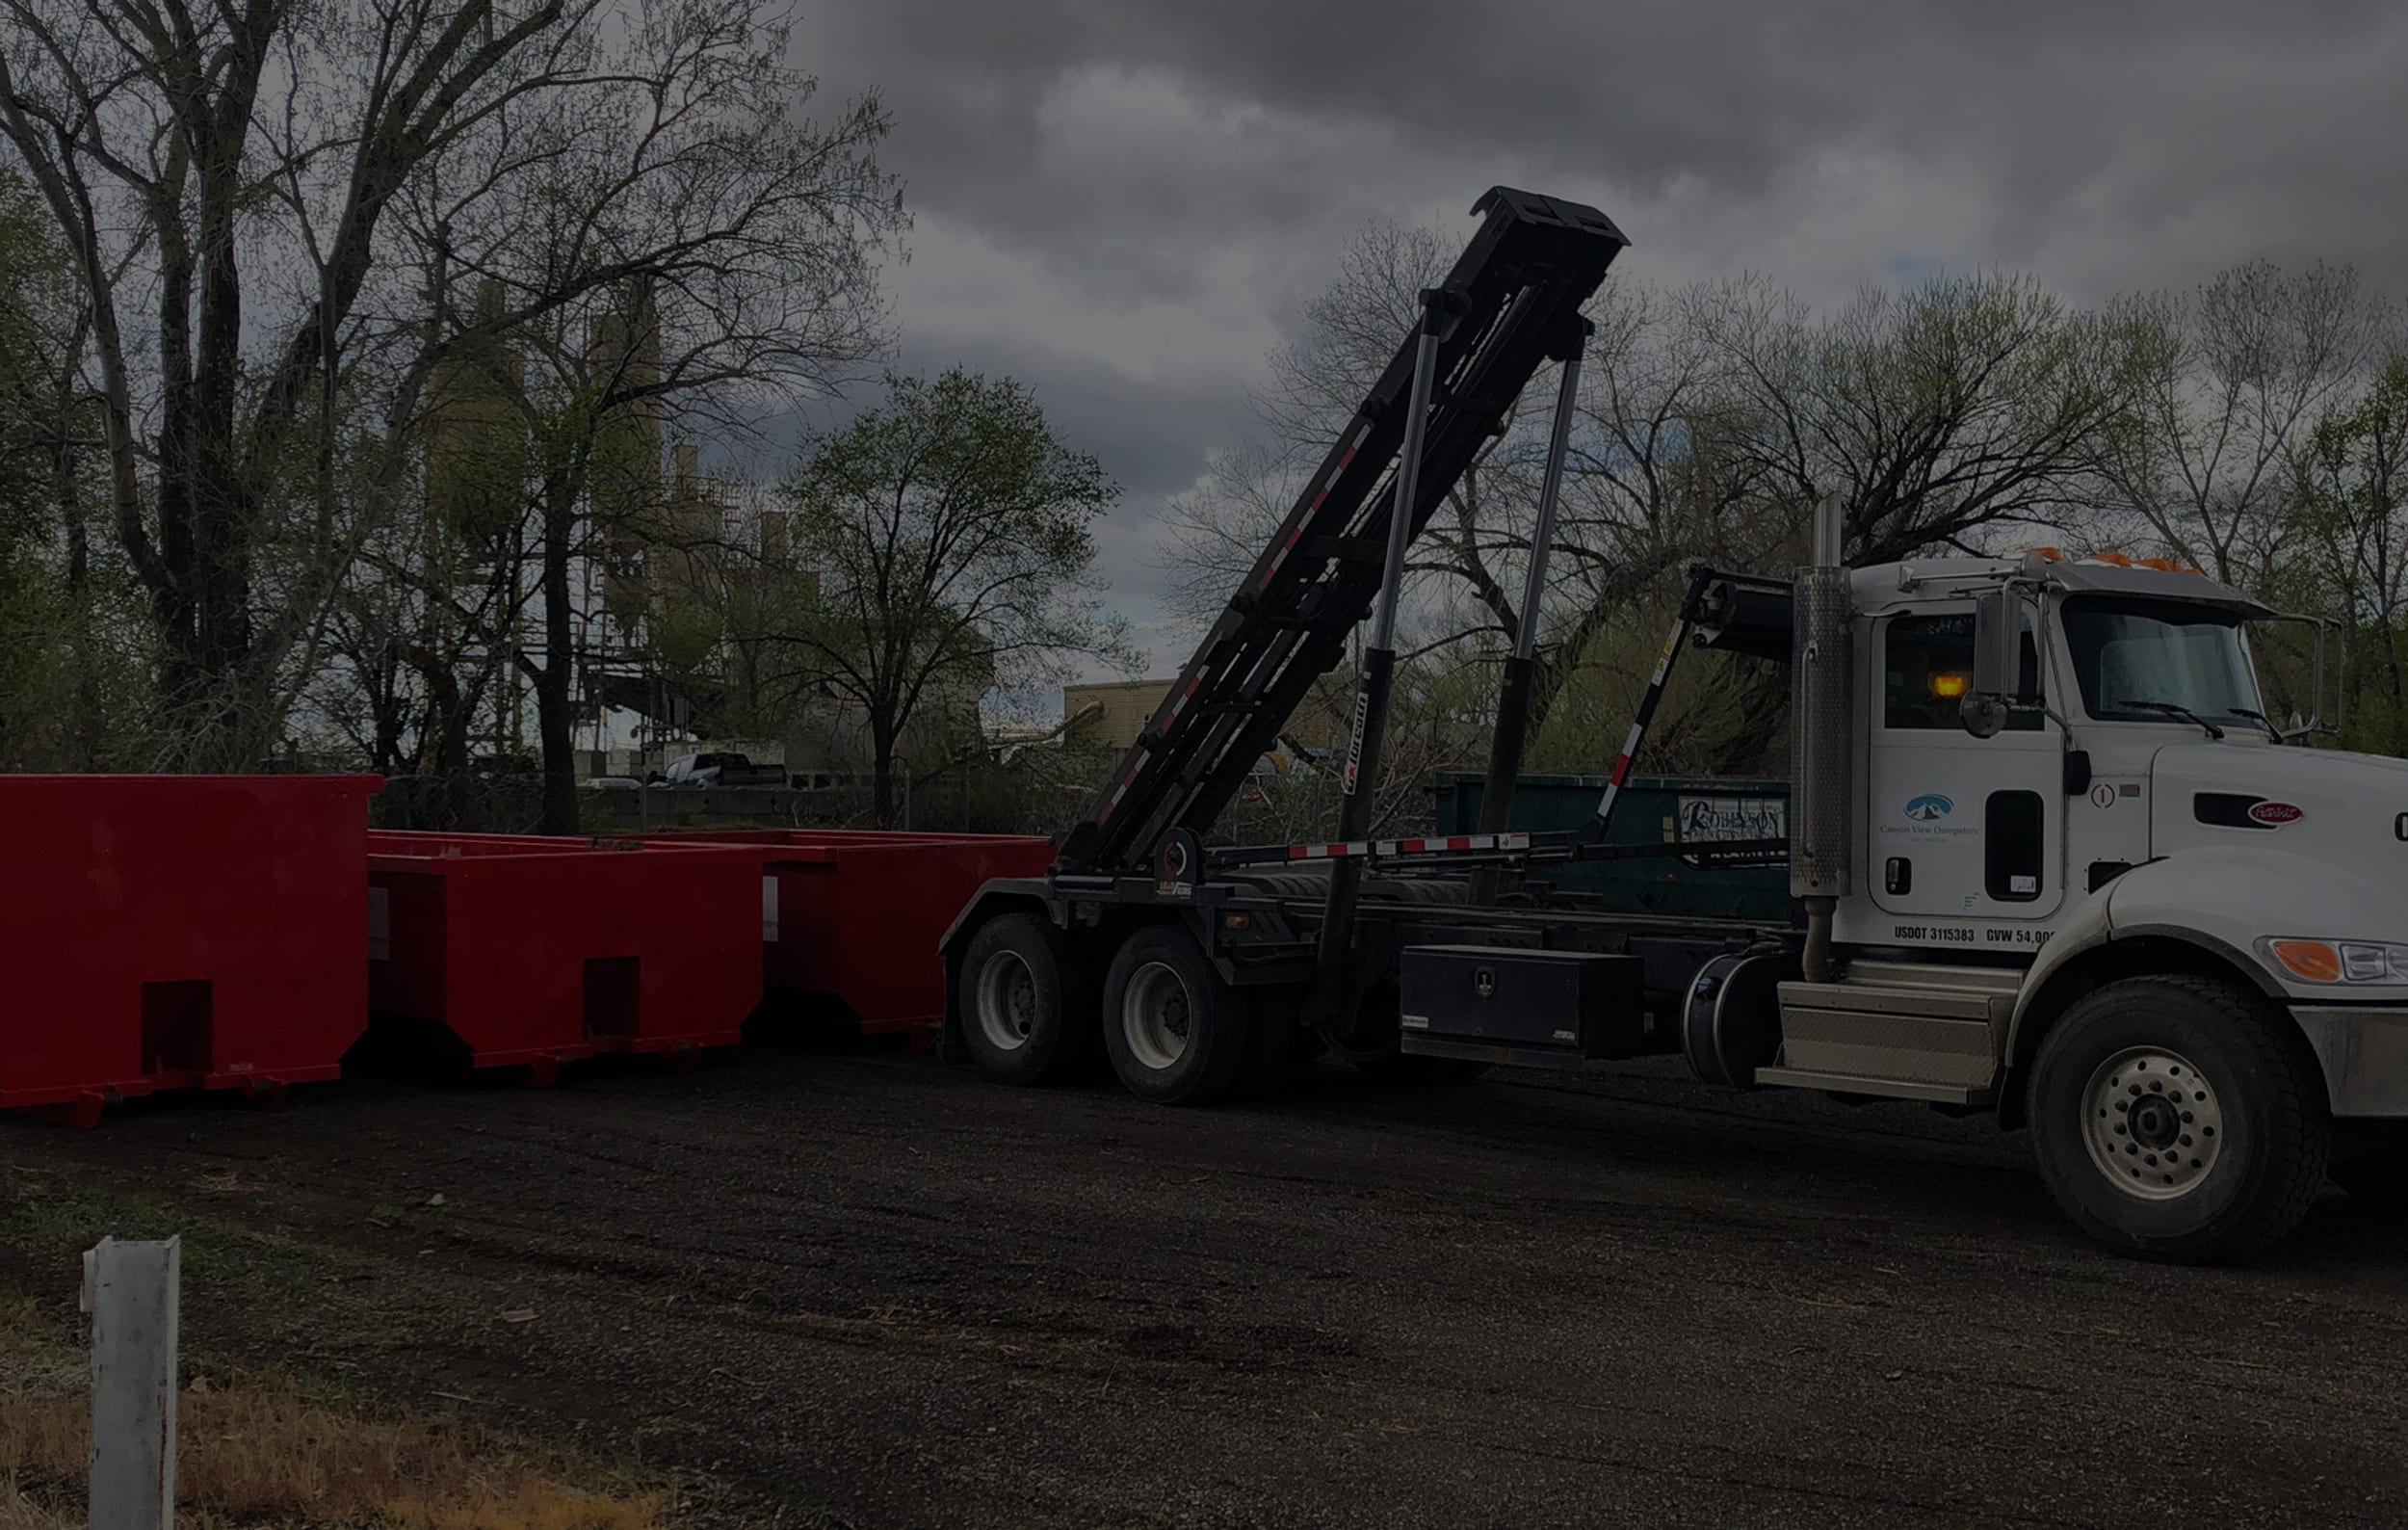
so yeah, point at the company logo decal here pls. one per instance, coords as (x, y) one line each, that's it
(1930, 806)
(2240, 811)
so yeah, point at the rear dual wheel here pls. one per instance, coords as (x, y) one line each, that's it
(1176, 1033)
(1027, 1002)
(1173, 1032)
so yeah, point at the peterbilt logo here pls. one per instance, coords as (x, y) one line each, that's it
(1930, 806)
(2274, 813)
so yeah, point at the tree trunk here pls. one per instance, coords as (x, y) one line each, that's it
(553, 725)
(881, 775)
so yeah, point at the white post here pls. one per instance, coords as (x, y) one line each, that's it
(130, 1291)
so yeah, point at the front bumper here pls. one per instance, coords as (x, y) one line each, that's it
(2364, 1052)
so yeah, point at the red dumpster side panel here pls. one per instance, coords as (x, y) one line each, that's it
(531, 949)
(187, 931)
(856, 915)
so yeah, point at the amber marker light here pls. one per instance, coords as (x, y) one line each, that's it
(2310, 961)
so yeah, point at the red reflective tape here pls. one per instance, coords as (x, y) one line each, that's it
(1621, 768)
(1297, 851)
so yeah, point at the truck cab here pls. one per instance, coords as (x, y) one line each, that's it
(1994, 842)
(2090, 883)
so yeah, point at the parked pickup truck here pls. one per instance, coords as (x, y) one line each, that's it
(722, 769)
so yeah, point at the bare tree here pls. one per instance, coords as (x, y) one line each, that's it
(2352, 520)
(1711, 416)
(1941, 412)
(139, 125)
(2228, 379)
(561, 148)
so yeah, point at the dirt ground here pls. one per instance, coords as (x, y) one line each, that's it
(877, 1291)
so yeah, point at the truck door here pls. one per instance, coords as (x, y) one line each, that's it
(1958, 826)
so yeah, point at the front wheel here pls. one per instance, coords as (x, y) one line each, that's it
(2179, 1117)
(1175, 1032)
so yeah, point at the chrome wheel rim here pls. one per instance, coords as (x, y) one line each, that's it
(2153, 1122)
(1155, 1013)
(1006, 1001)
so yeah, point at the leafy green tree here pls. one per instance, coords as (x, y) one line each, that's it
(67, 670)
(952, 539)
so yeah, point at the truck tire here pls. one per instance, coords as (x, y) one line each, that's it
(1176, 1033)
(2178, 1119)
(1028, 1006)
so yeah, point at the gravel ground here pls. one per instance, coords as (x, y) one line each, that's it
(879, 1291)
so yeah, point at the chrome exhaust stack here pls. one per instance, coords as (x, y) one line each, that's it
(1821, 770)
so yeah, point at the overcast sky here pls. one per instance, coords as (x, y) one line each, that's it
(1123, 202)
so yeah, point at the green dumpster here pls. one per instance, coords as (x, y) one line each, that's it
(1651, 809)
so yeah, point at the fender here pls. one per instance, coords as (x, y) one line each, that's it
(1033, 893)
(2086, 931)
(2222, 900)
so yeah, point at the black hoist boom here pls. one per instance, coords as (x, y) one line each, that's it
(1511, 303)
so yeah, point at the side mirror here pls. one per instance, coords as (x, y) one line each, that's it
(1998, 642)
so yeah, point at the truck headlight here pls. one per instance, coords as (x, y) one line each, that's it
(2339, 961)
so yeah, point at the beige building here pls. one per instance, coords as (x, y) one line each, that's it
(1128, 705)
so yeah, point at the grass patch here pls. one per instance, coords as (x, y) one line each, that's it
(35, 1355)
(253, 1453)
(265, 1455)
(70, 1219)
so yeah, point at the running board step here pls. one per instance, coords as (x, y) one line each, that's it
(1883, 1033)
(1878, 1087)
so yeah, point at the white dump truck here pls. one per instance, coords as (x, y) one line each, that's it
(2053, 859)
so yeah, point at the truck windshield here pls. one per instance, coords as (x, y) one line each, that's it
(2135, 660)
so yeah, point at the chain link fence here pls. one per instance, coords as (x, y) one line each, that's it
(1036, 793)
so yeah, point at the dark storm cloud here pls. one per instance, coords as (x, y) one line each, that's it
(2041, 101)
(1125, 202)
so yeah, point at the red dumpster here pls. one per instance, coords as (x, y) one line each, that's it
(179, 932)
(540, 951)
(856, 915)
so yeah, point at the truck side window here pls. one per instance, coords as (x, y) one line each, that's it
(1927, 663)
